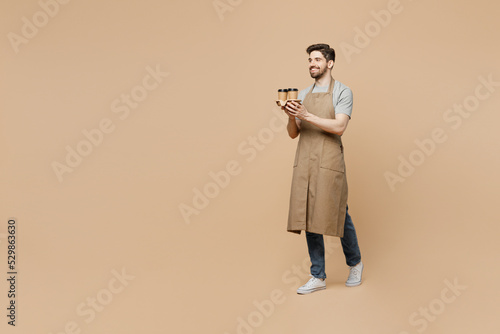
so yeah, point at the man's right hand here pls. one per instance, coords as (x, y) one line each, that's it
(293, 126)
(287, 112)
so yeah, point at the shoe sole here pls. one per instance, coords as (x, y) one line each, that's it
(311, 291)
(352, 284)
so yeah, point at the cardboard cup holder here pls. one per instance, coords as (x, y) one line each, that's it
(282, 103)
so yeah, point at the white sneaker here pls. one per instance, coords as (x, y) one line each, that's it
(354, 278)
(314, 284)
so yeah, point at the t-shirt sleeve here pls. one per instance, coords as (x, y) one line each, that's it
(344, 104)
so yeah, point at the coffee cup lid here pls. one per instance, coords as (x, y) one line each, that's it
(283, 90)
(292, 89)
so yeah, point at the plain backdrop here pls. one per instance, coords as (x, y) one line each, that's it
(169, 215)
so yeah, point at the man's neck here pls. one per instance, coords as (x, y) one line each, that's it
(324, 80)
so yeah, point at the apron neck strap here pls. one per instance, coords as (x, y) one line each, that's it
(330, 86)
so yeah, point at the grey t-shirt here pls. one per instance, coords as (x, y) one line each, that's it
(342, 97)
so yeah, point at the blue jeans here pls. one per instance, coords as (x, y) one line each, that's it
(316, 248)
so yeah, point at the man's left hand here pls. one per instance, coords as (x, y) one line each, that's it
(296, 109)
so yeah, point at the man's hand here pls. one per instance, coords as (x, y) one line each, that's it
(337, 125)
(293, 126)
(287, 112)
(295, 109)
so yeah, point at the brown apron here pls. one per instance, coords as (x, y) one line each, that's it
(319, 184)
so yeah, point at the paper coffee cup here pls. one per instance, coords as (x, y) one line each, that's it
(293, 93)
(282, 94)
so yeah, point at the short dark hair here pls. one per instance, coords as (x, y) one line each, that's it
(325, 50)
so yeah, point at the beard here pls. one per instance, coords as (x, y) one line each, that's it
(317, 74)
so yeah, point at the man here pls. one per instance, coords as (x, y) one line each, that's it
(318, 200)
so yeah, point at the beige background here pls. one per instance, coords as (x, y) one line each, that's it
(119, 209)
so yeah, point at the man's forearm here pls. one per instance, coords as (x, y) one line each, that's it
(293, 130)
(335, 126)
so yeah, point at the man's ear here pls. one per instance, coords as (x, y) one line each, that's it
(330, 64)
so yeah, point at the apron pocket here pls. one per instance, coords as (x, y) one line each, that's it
(332, 156)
